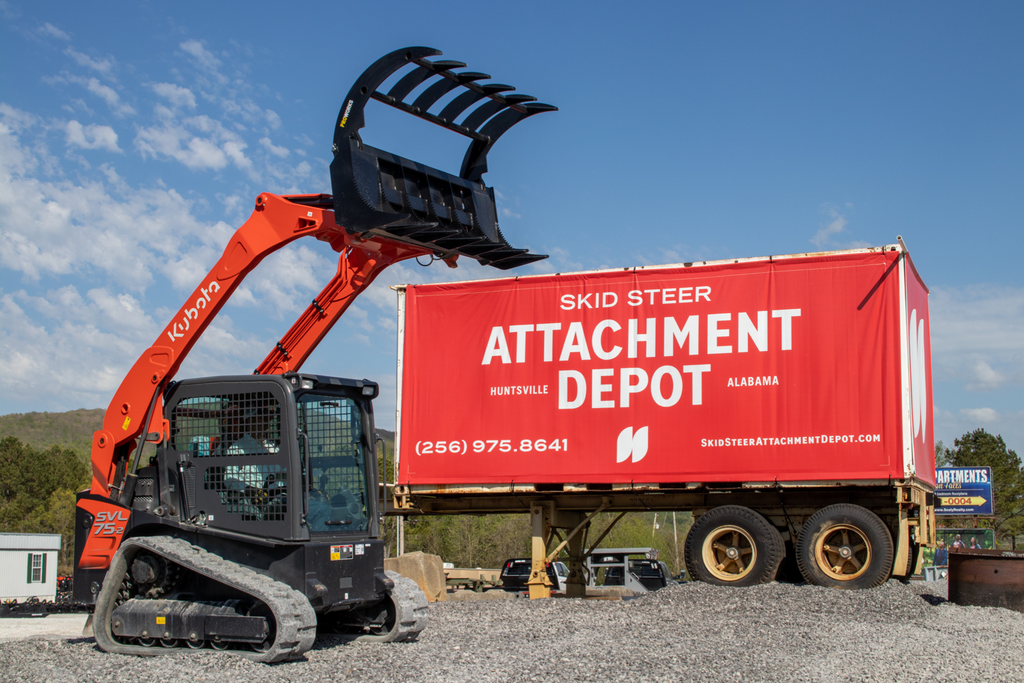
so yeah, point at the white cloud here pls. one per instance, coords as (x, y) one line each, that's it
(248, 111)
(79, 106)
(91, 137)
(99, 225)
(983, 377)
(835, 226)
(175, 139)
(274, 149)
(977, 335)
(74, 351)
(49, 29)
(234, 150)
(202, 57)
(104, 66)
(82, 339)
(17, 120)
(83, 345)
(175, 94)
(196, 153)
(983, 415)
(105, 92)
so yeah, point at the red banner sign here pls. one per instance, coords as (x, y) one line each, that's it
(776, 369)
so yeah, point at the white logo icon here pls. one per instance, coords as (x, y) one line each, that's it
(918, 383)
(630, 444)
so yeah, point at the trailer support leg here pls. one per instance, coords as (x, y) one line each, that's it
(540, 518)
(576, 584)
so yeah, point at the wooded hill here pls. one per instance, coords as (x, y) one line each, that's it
(72, 429)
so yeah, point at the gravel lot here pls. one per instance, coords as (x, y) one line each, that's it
(691, 632)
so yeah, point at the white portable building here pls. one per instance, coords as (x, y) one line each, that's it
(28, 566)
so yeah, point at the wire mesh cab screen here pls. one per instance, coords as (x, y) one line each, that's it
(333, 429)
(236, 472)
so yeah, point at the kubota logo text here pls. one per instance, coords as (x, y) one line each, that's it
(631, 445)
(179, 329)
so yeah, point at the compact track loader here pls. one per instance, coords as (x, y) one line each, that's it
(257, 520)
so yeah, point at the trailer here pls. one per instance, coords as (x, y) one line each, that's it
(784, 400)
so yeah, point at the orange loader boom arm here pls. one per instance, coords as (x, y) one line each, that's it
(275, 222)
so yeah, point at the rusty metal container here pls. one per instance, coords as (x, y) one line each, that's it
(987, 578)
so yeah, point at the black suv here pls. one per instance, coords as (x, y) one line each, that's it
(516, 573)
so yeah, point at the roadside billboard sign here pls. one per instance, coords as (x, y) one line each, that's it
(963, 491)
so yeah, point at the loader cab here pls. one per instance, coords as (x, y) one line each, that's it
(286, 457)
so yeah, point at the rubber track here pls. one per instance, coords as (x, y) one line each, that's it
(294, 618)
(412, 611)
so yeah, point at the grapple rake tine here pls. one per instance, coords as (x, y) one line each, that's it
(412, 79)
(469, 98)
(485, 111)
(474, 165)
(444, 86)
(384, 194)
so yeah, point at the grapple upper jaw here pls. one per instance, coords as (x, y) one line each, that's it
(376, 191)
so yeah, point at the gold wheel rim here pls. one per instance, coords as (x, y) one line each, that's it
(843, 552)
(729, 553)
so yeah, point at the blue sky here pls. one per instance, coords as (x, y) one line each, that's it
(135, 136)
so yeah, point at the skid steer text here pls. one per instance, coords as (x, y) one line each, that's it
(109, 523)
(490, 445)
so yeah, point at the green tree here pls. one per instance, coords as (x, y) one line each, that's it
(37, 492)
(943, 455)
(981, 449)
(470, 540)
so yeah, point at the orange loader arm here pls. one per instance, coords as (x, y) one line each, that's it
(275, 222)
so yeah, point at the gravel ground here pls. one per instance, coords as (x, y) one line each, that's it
(692, 632)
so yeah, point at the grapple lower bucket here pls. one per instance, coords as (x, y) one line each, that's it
(384, 194)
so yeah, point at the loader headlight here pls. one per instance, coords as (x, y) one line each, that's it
(306, 384)
(368, 391)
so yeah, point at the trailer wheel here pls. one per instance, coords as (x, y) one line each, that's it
(845, 546)
(733, 546)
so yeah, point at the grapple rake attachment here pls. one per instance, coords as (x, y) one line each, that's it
(382, 193)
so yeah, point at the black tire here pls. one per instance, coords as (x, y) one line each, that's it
(845, 546)
(733, 546)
